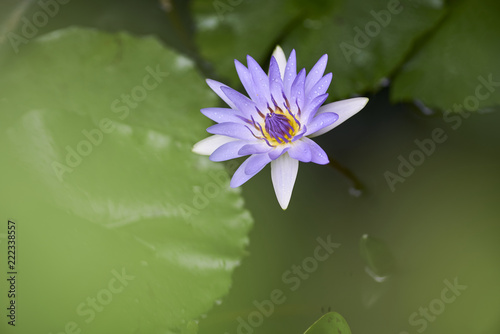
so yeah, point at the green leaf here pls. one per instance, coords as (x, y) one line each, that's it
(359, 60)
(232, 29)
(366, 41)
(330, 323)
(378, 257)
(130, 219)
(458, 58)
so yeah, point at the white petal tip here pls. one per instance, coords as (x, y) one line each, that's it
(283, 173)
(208, 145)
(284, 201)
(284, 206)
(278, 51)
(344, 108)
(280, 57)
(198, 149)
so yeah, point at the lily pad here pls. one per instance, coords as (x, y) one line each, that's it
(366, 40)
(232, 29)
(121, 228)
(330, 323)
(457, 67)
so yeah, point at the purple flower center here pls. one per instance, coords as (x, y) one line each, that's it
(278, 127)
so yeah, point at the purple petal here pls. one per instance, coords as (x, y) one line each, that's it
(228, 151)
(299, 135)
(261, 83)
(254, 148)
(241, 176)
(344, 108)
(297, 91)
(319, 88)
(283, 173)
(316, 73)
(321, 121)
(312, 107)
(290, 73)
(318, 156)
(275, 82)
(234, 130)
(246, 79)
(281, 59)
(301, 151)
(256, 163)
(221, 115)
(242, 103)
(277, 152)
(216, 87)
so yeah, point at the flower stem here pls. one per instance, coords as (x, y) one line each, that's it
(356, 186)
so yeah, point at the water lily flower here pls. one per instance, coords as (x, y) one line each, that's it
(274, 125)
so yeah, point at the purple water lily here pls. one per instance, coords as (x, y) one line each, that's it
(276, 123)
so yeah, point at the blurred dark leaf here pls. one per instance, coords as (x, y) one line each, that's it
(365, 41)
(462, 55)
